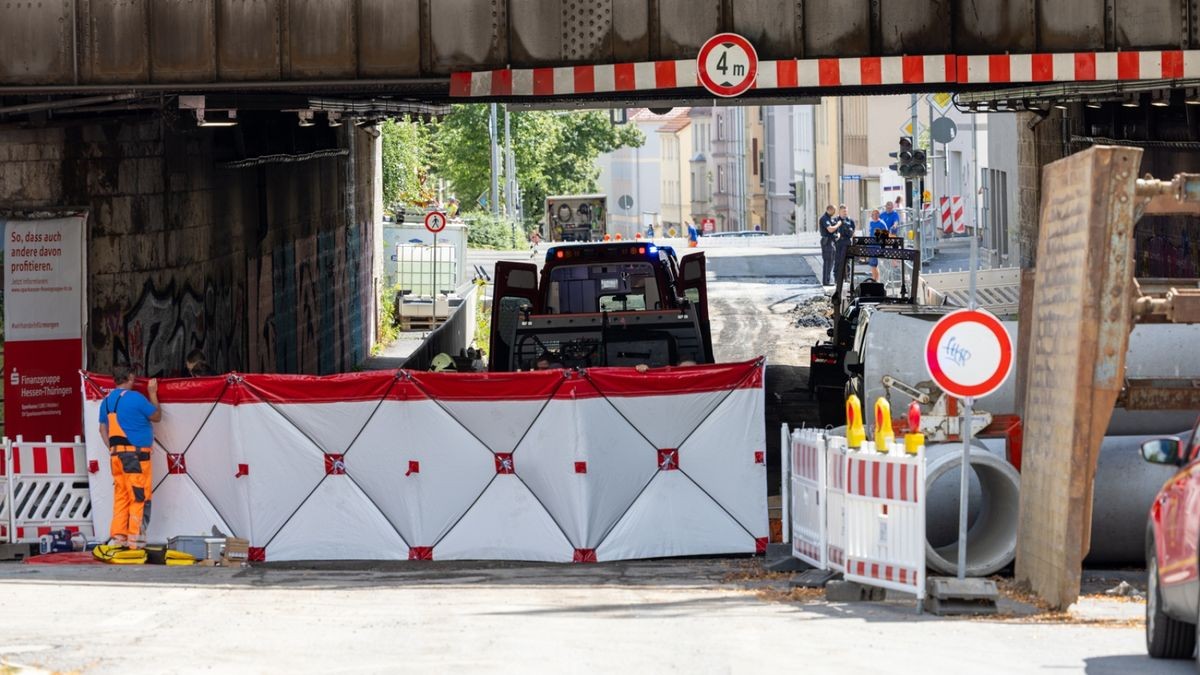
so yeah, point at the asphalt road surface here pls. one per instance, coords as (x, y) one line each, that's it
(688, 616)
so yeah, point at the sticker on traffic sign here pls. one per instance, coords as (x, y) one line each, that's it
(435, 221)
(969, 353)
(727, 65)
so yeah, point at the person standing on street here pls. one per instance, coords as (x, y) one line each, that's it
(829, 230)
(891, 218)
(125, 426)
(845, 232)
(877, 229)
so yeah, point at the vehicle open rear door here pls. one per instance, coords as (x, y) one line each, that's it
(516, 292)
(693, 285)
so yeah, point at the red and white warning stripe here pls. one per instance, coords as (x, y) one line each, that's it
(49, 459)
(807, 456)
(837, 72)
(876, 478)
(896, 574)
(954, 215)
(1078, 67)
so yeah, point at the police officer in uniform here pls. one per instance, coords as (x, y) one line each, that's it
(829, 231)
(845, 232)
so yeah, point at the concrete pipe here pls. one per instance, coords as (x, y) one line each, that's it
(993, 511)
(1125, 488)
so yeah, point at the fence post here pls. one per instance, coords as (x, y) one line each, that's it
(785, 480)
(10, 533)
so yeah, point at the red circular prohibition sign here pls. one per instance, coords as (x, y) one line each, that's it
(737, 88)
(993, 325)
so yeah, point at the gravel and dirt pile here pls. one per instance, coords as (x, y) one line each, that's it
(812, 313)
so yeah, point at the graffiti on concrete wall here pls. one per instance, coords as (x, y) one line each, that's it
(307, 300)
(155, 333)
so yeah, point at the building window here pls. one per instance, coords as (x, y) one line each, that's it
(720, 179)
(720, 128)
(754, 155)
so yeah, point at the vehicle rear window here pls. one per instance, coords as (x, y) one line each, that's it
(602, 287)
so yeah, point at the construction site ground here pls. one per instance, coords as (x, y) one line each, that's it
(695, 615)
(681, 615)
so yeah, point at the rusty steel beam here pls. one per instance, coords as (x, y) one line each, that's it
(1079, 328)
(1160, 394)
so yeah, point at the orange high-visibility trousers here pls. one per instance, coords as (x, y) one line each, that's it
(132, 488)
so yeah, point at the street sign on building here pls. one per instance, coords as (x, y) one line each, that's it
(853, 177)
(727, 65)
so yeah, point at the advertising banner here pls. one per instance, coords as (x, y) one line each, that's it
(43, 326)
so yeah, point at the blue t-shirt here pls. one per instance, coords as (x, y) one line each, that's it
(877, 225)
(133, 414)
(891, 219)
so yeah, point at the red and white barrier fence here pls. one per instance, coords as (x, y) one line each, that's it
(860, 512)
(808, 494)
(885, 519)
(582, 466)
(44, 487)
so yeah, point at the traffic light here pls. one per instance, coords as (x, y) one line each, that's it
(910, 163)
(792, 192)
(918, 167)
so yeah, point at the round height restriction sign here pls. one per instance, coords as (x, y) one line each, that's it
(727, 65)
(969, 353)
(435, 221)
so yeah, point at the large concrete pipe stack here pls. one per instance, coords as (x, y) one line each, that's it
(1125, 485)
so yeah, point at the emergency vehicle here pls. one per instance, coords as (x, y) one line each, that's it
(616, 304)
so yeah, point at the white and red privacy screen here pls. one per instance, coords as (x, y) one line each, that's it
(606, 464)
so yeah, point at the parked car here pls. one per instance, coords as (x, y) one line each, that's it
(1172, 543)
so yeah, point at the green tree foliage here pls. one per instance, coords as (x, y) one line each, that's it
(555, 153)
(406, 172)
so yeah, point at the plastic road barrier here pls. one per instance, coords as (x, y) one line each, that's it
(45, 487)
(860, 511)
(808, 493)
(583, 466)
(885, 519)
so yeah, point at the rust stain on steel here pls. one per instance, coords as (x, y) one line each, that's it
(183, 44)
(467, 35)
(1161, 394)
(36, 42)
(322, 39)
(389, 38)
(1079, 332)
(119, 46)
(249, 40)
(684, 25)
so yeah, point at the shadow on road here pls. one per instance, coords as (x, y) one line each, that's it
(1124, 664)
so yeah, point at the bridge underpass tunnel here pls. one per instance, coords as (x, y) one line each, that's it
(252, 240)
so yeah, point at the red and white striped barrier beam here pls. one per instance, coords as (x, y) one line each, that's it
(560, 466)
(44, 485)
(954, 215)
(943, 69)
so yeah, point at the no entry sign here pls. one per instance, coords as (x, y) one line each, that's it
(435, 221)
(969, 353)
(727, 65)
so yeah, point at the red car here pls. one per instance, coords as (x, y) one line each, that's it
(1172, 540)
